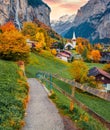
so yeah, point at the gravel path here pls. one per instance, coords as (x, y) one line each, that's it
(41, 113)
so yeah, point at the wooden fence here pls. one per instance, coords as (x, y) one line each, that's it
(84, 107)
(93, 91)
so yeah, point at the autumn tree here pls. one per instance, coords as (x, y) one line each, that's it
(80, 48)
(54, 52)
(29, 30)
(79, 71)
(95, 55)
(85, 54)
(40, 39)
(13, 46)
(9, 26)
(98, 46)
(38, 47)
(107, 67)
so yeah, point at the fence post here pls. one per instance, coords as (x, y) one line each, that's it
(51, 83)
(72, 101)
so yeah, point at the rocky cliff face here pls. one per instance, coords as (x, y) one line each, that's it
(93, 21)
(20, 10)
(63, 24)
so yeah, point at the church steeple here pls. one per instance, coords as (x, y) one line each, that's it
(74, 36)
(74, 40)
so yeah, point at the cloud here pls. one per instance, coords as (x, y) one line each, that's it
(62, 7)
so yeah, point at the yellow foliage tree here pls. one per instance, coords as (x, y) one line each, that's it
(79, 71)
(38, 47)
(54, 52)
(29, 30)
(41, 39)
(13, 46)
(107, 67)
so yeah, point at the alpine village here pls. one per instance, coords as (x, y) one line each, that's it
(54, 73)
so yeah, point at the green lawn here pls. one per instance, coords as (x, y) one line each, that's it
(12, 95)
(48, 63)
(91, 65)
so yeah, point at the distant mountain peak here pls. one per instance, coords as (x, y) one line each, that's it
(93, 21)
(63, 24)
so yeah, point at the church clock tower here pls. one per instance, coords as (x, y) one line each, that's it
(74, 40)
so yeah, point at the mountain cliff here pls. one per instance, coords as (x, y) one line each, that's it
(24, 10)
(93, 21)
(63, 24)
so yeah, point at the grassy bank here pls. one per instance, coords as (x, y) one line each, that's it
(46, 62)
(13, 94)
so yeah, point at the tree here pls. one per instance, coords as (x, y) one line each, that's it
(13, 46)
(41, 39)
(9, 26)
(80, 48)
(107, 67)
(29, 30)
(85, 53)
(79, 71)
(54, 52)
(95, 55)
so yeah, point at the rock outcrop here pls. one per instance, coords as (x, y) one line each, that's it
(21, 10)
(93, 21)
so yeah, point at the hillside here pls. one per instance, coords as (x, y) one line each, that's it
(47, 62)
(13, 93)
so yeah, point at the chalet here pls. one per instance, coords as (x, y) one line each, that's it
(101, 76)
(105, 57)
(31, 44)
(106, 47)
(65, 55)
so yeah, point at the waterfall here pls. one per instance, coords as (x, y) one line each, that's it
(17, 16)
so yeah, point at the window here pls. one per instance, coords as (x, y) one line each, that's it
(102, 78)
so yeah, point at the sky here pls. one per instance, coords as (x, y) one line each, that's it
(62, 7)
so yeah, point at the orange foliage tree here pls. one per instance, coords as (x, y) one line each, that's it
(8, 27)
(80, 48)
(13, 46)
(95, 55)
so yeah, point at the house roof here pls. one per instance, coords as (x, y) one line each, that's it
(63, 54)
(96, 71)
(69, 44)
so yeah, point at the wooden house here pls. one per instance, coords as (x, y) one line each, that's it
(101, 76)
(65, 55)
(105, 57)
